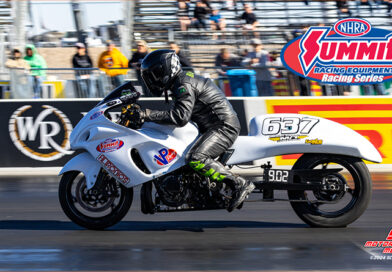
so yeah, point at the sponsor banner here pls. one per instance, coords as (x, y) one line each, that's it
(351, 52)
(36, 133)
(370, 117)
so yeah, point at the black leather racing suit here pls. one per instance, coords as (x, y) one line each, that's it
(201, 101)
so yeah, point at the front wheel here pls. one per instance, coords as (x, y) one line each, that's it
(95, 209)
(347, 195)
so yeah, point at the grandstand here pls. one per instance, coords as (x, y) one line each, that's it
(5, 15)
(6, 22)
(157, 23)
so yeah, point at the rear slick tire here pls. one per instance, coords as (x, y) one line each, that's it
(361, 195)
(68, 201)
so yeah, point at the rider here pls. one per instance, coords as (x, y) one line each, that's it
(196, 99)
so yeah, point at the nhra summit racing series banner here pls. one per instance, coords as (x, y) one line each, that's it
(370, 117)
(36, 133)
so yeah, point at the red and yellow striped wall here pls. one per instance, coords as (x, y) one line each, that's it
(369, 116)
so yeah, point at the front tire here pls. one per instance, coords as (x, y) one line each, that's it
(358, 186)
(93, 209)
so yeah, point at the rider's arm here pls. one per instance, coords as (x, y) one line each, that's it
(179, 114)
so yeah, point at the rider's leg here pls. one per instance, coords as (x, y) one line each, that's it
(202, 157)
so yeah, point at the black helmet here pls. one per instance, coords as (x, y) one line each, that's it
(159, 69)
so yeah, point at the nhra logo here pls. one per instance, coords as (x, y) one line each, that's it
(110, 145)
(41, 135)
(350, 52)
(165, 156)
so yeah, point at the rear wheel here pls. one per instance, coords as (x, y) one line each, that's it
(95, 208)
(346, 194)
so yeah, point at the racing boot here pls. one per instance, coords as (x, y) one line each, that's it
(242, 188)
(215, 171)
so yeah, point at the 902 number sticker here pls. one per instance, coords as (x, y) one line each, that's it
(275, 175)
(288, 125)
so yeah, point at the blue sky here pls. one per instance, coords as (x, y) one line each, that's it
(57, 15)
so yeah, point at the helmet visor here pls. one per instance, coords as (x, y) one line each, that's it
(153, 79)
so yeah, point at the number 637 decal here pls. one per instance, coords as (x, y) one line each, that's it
(288, 125)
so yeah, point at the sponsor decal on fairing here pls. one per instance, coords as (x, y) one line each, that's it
(110, 145)
(165, 156)
(96, 115)
(113, 169)
(351, 52)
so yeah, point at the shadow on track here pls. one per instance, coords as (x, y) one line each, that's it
(193, 226)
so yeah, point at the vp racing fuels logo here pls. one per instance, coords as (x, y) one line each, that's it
(165, 156)
(350, 52)
(41, 135)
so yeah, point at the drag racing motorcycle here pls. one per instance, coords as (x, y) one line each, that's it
(328, 186)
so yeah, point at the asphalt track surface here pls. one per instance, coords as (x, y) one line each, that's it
(36, 235)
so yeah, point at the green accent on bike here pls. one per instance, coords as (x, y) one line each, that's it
(191, 74)
(126, 92)
(182, 90)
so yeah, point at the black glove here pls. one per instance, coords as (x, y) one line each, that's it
(132, 116)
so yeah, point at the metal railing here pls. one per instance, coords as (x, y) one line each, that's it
(94, 83)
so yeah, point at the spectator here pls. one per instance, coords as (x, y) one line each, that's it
(16, 61)
(216, 20)
(142, 50)
(19, 84)
(343, 9)
(110, 59)
(81, 60)
(183, 15)
(35, 61)
(224, 60)
(259, 59)
(250, 20)
(185, 62)
(200, 14)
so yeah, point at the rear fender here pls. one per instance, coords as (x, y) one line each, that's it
(86, 164)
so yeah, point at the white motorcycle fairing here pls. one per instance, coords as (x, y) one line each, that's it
(163, 148)
(281, 134)
(115, 147)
